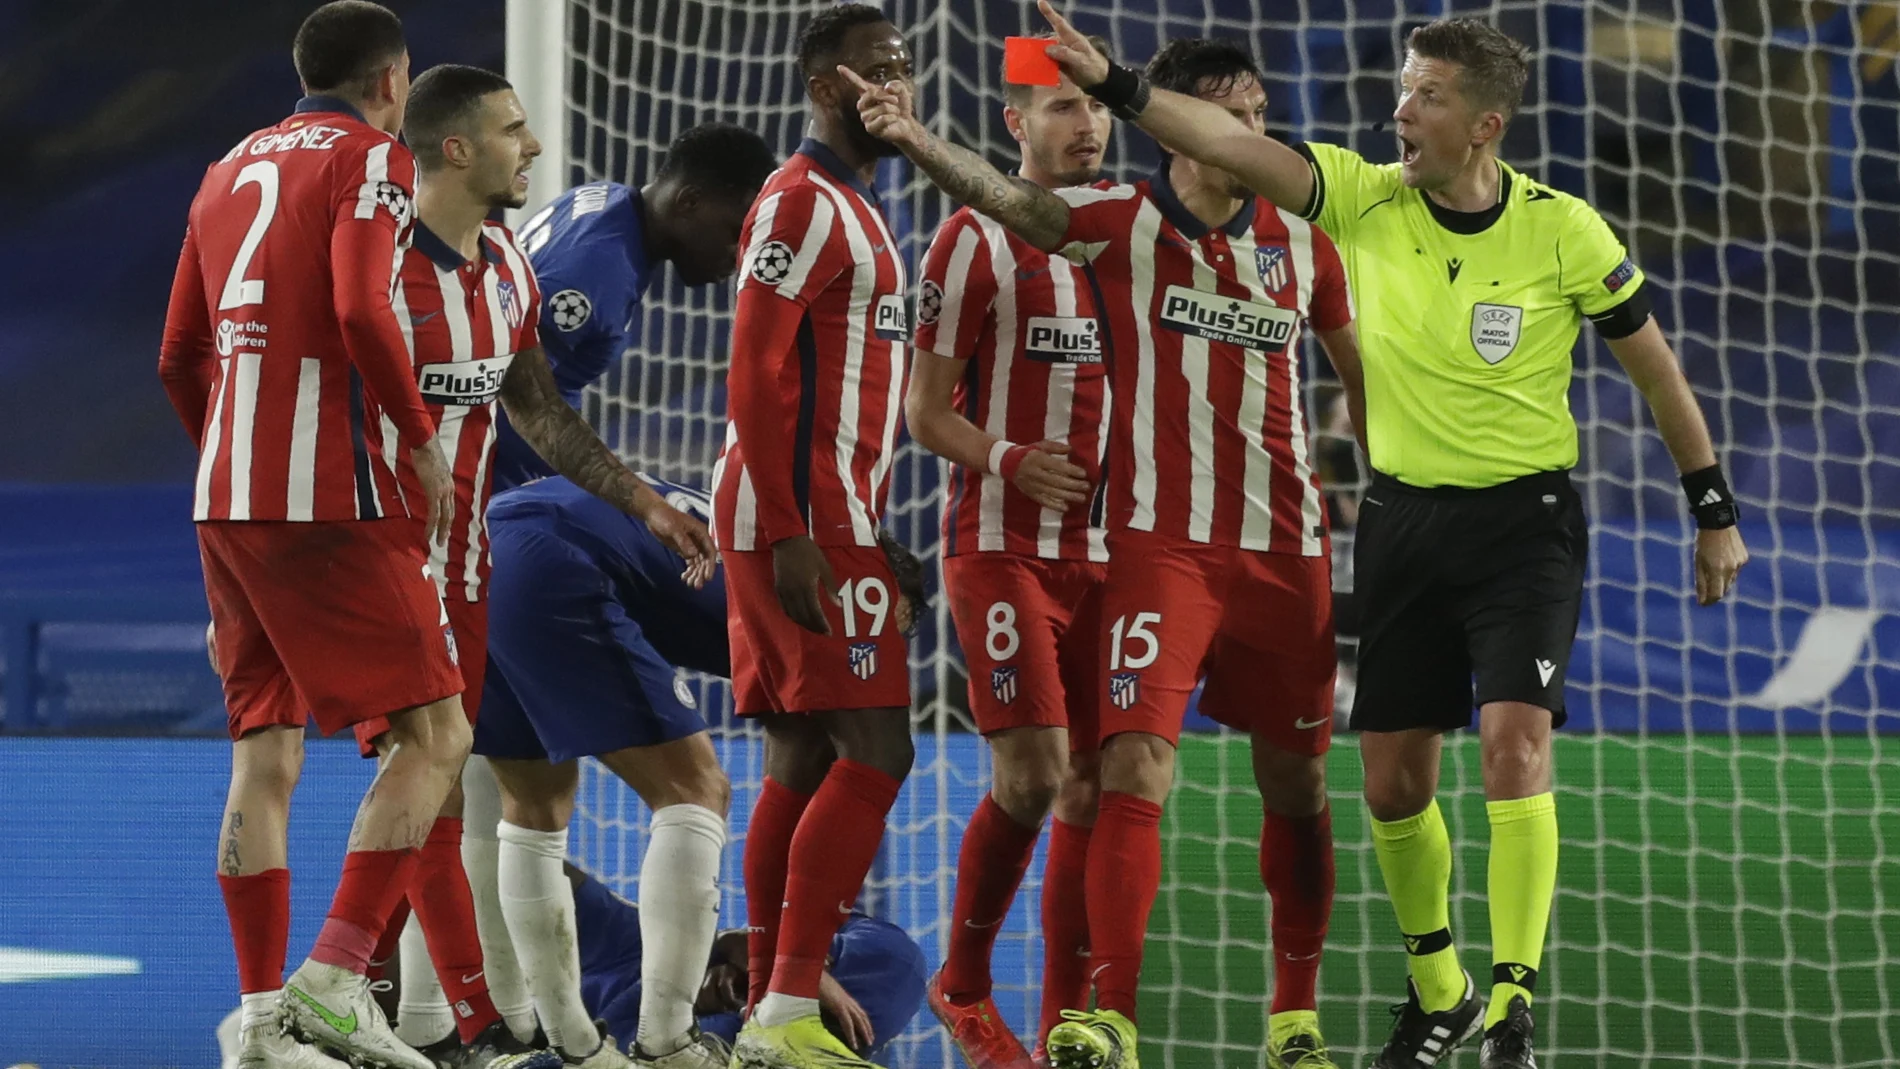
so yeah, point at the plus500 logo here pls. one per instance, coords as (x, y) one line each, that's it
(463, 382)
(1063, 340)
(1244, 323)
(893, 318)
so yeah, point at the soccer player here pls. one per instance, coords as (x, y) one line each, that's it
(286, 363)
(1219, 569)
(817, 375)
(1473, 281)
(598, 247)
(467, 302)
(873, 983)
(1008, 383)
(1218, 562)
(591, 621)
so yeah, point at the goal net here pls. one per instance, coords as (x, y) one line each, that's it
(1728, 787)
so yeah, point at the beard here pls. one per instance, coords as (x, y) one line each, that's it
(861, 138)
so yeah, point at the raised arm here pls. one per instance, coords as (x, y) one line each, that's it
(1030, 211)
(1201, 131)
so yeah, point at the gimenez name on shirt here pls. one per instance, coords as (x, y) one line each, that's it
(1215, 317)
(1063, 340)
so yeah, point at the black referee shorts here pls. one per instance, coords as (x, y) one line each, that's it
(1456, 586)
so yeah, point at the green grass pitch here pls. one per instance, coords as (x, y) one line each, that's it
(1721, 902)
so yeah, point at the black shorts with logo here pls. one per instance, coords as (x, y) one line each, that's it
(1457, 585)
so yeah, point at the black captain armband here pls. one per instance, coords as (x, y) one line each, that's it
(1626, 318)
(1125, 91)
(1710, 499)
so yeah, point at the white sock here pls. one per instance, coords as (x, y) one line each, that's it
(776, 1009)
(539, 905)
(258, 1007)
(422, 1012)
(679, 915)
(481, 858)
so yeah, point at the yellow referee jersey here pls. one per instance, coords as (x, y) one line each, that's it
(1467, 336)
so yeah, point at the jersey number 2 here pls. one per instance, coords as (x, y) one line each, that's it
(238, 290)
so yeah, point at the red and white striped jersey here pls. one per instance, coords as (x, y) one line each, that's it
(818, 362)
(1207, 434)
(464, 320)
(1026, 322)
(280, 350)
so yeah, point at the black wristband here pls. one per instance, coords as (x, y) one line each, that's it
(1125, 91)
(1710, 500)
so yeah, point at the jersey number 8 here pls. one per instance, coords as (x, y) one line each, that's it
(869, 596)
(1001, 641)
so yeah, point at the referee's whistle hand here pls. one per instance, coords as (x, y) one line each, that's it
(1719, 556)
(1050, 479)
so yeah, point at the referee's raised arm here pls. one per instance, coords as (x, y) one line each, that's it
(1203, 132)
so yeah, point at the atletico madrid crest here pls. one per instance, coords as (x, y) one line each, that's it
(510, 304)
(1271, 259)
(1124, 689)
(1003, 683)
(864, 659)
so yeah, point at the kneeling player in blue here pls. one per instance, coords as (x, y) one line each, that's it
(872, 987)
(590, 622)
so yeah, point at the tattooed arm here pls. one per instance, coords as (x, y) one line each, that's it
(563, 439)
(1032, 212)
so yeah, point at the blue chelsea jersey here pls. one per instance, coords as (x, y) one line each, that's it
(589, 255)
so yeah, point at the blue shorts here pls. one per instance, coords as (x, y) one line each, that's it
(570, 672)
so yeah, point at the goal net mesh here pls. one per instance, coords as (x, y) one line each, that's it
(1727, 791)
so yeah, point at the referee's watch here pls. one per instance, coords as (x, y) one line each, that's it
(1710, 500)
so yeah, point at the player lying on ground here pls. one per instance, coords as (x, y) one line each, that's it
(591, 625)
(1219, 569)
(872, 986)
(597, 248)
(287, 364)
(1470, 557)
(1009, 351)
(818, 345)
(468, 302)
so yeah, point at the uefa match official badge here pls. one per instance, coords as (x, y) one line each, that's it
(1003, 683)
(1124, 689)
(864, 659)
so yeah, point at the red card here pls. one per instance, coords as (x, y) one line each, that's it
(1026, 61)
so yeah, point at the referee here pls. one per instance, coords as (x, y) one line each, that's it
(1472, 281)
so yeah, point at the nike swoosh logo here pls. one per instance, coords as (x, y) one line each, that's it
(844, 907)
(472, 977)
(1098, 971)
(419, 320)
(1308, 725)
(343, 1025)
(1024, 276)
(982, 927)
(1300, 957)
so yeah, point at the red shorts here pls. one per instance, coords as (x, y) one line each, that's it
(1030, 631)
(468, 628)
(1257, 626)
(779, 667)
(336, 621)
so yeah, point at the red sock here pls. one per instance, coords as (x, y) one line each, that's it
(1296, 864)
(390, 942)
(365, 897)
(990, 866)
(832, 852)
(1065, 924)
(768, 848)
(1124, 875)
(259, 907)
(446, 909)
